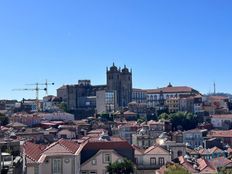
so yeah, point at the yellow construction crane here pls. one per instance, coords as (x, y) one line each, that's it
(44, 84)
(36, 89)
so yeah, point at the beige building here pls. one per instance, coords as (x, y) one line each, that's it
(61, 157)
(98, 163)
(150, 159)
(173, 104)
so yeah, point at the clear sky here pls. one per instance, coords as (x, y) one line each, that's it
(185, 42)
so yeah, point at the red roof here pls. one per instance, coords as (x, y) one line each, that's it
(129, 113)
(114, 142)
(175, 89)
(156, 150)
(210, 151)
(33, 151)
(222, 134)
(220, 162)
(223, 116)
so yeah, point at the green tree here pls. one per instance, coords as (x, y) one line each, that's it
(223, 170)
(180, 120)
(175, 169)
(124, 167)
(164, 116)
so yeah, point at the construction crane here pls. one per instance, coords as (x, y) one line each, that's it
(36, 89)
(45, 84)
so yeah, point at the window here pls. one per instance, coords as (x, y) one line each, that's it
(94, 162)
(161, 161)
(92, 172)
(106, 158)
(152, 161)
(36, 170)
(56, 166)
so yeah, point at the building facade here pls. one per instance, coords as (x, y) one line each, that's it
(106, 101)
(80, 98)
(120, 81)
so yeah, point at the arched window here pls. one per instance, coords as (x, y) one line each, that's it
(155, 97)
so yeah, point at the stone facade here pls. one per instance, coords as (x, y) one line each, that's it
(120, 81)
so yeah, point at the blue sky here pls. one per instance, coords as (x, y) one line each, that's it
(183, 42)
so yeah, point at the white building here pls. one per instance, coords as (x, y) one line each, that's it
(222, 121)
(160, 95)
(66, 117)
(62, 156)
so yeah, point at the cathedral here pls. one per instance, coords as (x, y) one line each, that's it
(120, 80)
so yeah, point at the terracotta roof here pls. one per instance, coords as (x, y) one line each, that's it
(37, 153)
(16, 124)
(220, 162)
(224, 116)
(220, 133)
(138, 150)
(205, 165)
(115, 142)
(151, 122)
(156, 150)
(65, 131)
(33, 151)
(218, 97)
(175, 89)
(210, 151)
(191, 151)
(3, 128)
(129, 113)
(187, 165)
(70, 146)
(229, 150)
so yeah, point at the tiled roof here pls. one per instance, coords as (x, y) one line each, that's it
(34, 151)
(152, 122)
(220, 134)
(16, 124)
(210, 151)
(220, 162)
(205, 165)
(138, 150)
(187, 165)
(156, 150)
(114, 142)
(70, 146)
(224, 116)
(218, 97)
(129, 113)
(175, 89)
